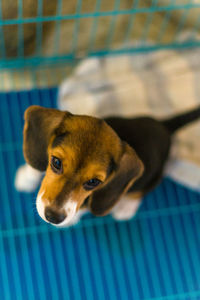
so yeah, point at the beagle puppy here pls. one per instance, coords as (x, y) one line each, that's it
(92, 164)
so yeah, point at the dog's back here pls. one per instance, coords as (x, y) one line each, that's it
(151, 139)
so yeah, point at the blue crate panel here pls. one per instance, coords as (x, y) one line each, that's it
(153, 256)
(146, 258)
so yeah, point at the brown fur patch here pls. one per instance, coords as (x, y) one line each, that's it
(86, 152)
(129, 169)
(135, 195)
(39, 124)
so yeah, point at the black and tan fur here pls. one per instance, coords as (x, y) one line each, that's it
(127, 155)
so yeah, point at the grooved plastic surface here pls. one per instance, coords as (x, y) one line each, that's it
(156, 255)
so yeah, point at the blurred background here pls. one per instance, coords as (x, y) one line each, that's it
(40, 36)
(101, 57)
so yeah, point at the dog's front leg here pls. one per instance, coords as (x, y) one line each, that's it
(27, 179)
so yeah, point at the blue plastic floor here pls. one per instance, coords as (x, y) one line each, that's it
(156, 255)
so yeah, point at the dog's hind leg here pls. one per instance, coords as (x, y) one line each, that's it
(126, 208)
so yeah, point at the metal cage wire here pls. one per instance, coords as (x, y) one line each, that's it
(27, 71)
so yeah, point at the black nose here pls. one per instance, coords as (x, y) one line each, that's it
(54, 217)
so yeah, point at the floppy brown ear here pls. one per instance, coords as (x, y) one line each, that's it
(40, 123)
(130, 168)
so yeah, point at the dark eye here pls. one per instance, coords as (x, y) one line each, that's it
(56, 165)
(91, 184)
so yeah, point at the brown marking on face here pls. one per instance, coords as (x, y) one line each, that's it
(85, 152)
(88, 148)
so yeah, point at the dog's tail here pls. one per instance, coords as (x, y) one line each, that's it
(181, 120)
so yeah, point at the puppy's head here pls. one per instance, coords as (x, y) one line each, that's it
(83, 158)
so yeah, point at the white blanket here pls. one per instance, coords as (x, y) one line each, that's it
(159, 84)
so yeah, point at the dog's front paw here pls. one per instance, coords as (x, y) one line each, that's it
(27, 179)
(125, 209)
